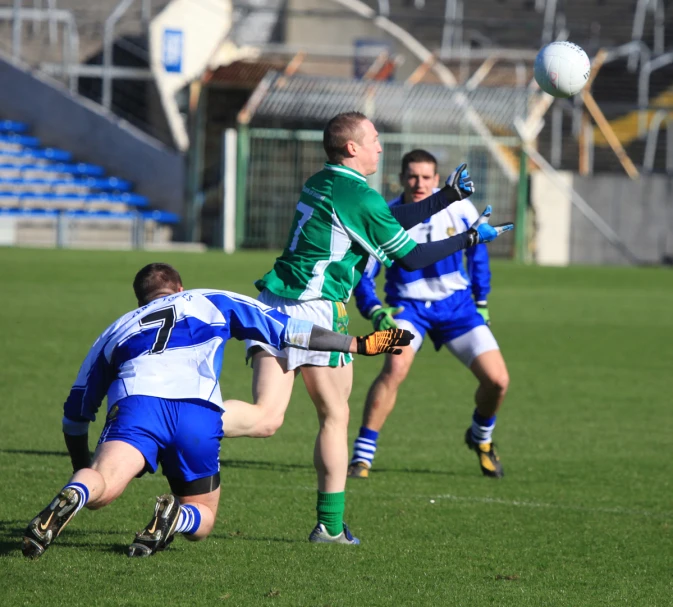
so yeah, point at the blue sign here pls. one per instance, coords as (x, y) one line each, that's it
(367, 51)
(172, 51)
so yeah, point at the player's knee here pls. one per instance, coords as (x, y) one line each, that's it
(101, 501)
(394, 374)
(498, 383)
(335, 416)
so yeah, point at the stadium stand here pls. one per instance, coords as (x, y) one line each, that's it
(46, 198)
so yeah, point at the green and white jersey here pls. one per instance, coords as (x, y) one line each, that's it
(339, 222)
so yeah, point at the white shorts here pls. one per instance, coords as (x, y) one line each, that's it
(465, 348)
(326, 314)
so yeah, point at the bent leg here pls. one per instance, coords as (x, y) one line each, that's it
(380, 402)
(382, 394)
(115, 465)
(94, 487)
(196, 527)
(271, 391)
(491, 371)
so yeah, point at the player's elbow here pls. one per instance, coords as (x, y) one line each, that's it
(268, 426)
(406, 264)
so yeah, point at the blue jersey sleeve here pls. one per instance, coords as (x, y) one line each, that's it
(92, 383)
(247, 318)
(365, 291)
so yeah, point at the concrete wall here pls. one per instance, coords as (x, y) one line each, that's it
(84, 128)
(640, 212)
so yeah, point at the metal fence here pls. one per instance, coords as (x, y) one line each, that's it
(279, 161)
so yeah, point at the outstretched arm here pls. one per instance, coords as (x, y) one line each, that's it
(458, 186)
(379, 342)
(425, 254)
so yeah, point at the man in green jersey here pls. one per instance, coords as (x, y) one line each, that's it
(340, 221)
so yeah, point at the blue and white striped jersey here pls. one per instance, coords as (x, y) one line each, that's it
(439, 280)
(173, 348)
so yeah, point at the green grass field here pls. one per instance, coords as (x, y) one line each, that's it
(583, 517)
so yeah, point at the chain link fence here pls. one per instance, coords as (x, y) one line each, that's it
(281, 160)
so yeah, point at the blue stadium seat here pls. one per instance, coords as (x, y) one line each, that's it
(29, 212)
(25, 140)
(81, 168)
(135, 200)
(9, 199)
(12, 126)
(162, 216)
(46, 154)
(44, 182)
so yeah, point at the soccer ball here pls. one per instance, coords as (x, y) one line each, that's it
(562, 69)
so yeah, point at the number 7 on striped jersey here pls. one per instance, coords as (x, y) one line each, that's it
(306, 212)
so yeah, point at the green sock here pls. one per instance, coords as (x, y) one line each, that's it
(330, 509)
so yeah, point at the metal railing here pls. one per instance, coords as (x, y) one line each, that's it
(657, 6)
(644, 87)
(653, 138)
(70, 54)
(71, 67)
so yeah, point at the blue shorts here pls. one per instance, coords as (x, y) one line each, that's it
(184, 436)
(443, 320)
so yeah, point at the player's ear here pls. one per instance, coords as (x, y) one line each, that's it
(181, 289)
(351, 148)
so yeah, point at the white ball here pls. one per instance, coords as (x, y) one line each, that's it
(562, 69)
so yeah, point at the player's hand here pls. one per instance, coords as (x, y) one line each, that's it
(482, 308)
(382, 318)
(460, 183)
(384, 342)
(481, 232)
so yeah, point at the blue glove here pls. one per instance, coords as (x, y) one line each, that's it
(460, 183)
(481, 232)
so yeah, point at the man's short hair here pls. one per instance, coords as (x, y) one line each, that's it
(417, 156)
(154, 278)
(339, 131)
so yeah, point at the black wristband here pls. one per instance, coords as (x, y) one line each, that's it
(473, 237)
(78, 448)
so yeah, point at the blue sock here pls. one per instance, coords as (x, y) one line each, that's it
(482, 428)
(189, 519)
(83, 492)
(364, 447)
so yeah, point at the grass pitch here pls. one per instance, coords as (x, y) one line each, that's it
(583, 517)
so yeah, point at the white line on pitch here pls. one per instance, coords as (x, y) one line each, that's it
(523, 504)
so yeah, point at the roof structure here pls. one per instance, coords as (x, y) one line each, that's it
(426, 107)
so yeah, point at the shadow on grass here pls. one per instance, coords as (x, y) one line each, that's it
(377, 471)
(11, 533)
(34, 452)
(271, 466)
(257, 465)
